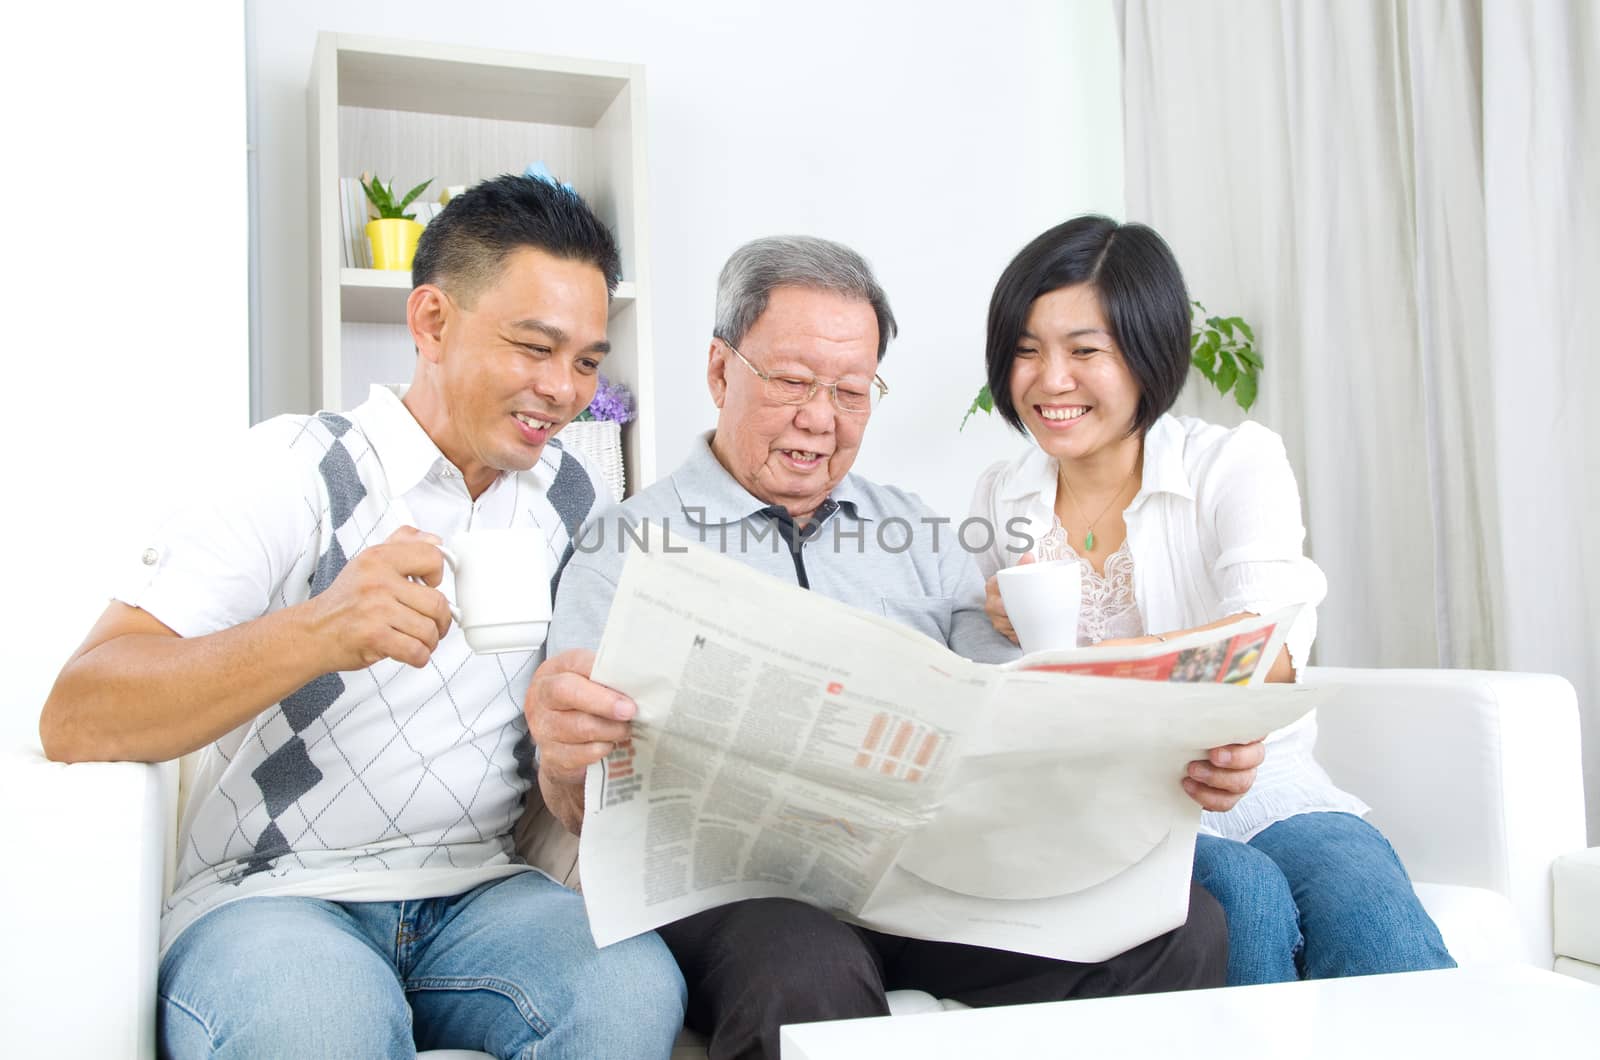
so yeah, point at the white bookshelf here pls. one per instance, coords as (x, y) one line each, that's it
(407, 111)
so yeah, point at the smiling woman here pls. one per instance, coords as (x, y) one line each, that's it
(1176, 525)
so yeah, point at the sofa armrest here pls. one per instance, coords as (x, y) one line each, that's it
(1577, 907)
(89, 856)
(1474, 776)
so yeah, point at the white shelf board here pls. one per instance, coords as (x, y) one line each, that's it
(374, 296)
(378, 296)
(440, 79)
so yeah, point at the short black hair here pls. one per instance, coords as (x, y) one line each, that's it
(1141, 292)
(463, 249)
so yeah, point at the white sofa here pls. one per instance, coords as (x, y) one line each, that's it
(1577, 914)
(1474, 776)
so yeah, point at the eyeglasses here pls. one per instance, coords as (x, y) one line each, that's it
(847, 395)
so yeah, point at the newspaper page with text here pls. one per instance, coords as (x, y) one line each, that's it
(788, 745)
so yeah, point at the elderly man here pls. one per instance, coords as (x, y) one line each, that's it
(801, 327)
(346, 883)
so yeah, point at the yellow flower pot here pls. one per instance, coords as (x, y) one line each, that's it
(394, 242)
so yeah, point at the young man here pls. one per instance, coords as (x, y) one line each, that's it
(346, 881)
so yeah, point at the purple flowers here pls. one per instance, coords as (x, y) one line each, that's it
(612, 402)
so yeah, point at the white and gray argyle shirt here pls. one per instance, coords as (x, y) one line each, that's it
(379, 784)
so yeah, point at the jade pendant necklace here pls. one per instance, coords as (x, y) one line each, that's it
(1088, 537)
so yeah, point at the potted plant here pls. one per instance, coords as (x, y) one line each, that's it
(596, 432)
(394, 233)
(1223, 349)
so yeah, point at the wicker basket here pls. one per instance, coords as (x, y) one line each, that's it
(599, 442)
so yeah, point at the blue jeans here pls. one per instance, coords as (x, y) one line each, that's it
(1316, 896)
(508, 968)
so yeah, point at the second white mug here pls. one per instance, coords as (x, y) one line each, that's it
(1042, 600)
(502, 591)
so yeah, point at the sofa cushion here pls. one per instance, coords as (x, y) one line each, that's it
(1589, 973)
(1479, 926)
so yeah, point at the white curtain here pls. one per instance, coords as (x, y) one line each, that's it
(1404, 199)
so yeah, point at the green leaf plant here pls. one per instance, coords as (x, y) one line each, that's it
(984, 402)
(382, 198)
(1223, 349)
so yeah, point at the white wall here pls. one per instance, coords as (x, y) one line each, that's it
(933, 139)
(125, 278)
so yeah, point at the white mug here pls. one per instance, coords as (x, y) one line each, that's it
(502, 588)
(1042, 600)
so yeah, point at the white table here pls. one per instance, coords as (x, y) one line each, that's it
(1504, 1012)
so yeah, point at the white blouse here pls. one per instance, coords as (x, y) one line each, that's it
(1214, 530)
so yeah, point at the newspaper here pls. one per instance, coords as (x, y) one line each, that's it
(788, 745)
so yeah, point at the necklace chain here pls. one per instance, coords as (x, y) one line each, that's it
(1088, 537)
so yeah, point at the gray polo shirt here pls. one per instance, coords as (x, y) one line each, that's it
(874, 547)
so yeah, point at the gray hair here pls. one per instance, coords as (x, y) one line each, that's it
(761, 265)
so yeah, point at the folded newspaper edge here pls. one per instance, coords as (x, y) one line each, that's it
(788, 745)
